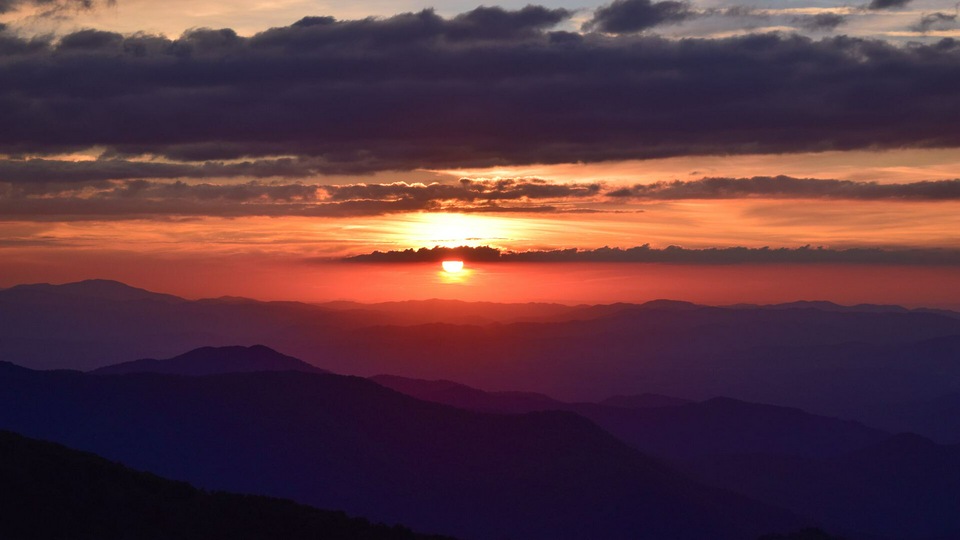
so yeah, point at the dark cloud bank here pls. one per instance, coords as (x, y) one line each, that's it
(674, 255)
(138, 198)
(786, 187)
(485, 88)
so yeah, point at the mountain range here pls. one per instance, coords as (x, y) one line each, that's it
(348, 443)
(885, 366)
(507, 420)
(844, 475)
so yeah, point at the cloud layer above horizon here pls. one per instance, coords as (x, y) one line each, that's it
(336, 136)
(91, 193)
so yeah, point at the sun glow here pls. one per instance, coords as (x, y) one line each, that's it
(452, 230)
(452, 266)
(453, 272)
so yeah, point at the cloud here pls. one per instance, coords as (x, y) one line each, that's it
(467, 190)
(51, 7)
(36, 170)
(138, 198)
(785, 187)
(487, 88)
(935, 21)
(90, 194)
(821, 22)
(625, 16)
(887, 4)
(497, 23)
(674, 255)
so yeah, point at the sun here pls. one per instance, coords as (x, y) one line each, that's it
(452, 267)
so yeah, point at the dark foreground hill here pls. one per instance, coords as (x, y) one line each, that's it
(213, 361)
(50, 492)
(348, 443)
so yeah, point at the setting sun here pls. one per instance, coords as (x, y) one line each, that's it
(452, 266)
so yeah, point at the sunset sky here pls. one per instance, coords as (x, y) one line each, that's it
(210, 148)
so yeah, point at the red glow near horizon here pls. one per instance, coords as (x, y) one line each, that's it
(567, 283)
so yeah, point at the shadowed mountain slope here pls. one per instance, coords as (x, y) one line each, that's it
(903, 487)
(712, 427)
(465, 397)
(348, 443)
(848, 476)
(214, 360)
(50, 492)
(643, 401)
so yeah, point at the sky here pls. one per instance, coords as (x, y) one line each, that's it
(250, 148)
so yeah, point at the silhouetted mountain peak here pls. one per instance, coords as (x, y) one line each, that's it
(215, 360)
(670, 305)
(97, 289)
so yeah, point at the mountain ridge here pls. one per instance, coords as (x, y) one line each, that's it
(214, 360)
(321, 438)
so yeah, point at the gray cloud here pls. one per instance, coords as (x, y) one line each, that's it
(128, 199)
(935, 21)
(675, 255)
(487, 88)
(50, 7)
(467, 190)
(791, 188)
(821, 22)
(137, 198)
(738, 11)
(63, 171)
(626, 16)
(887, 4)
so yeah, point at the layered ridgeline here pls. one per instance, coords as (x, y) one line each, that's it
(883, 365)
(846, 476)
(668, 427)
(48, 491)
(350, 444)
